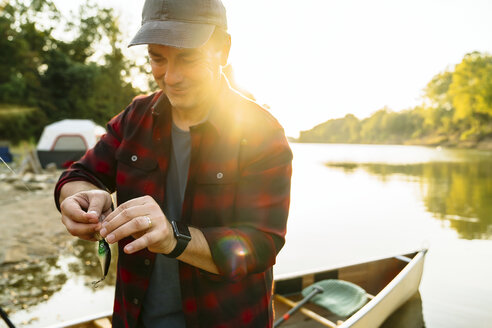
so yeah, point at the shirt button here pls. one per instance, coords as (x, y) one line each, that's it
(147, 262)
(135, 301)
(134, 158)
(220, 175)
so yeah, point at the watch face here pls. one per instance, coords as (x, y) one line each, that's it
(181, 230)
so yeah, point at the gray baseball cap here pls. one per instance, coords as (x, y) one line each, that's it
(180, 23)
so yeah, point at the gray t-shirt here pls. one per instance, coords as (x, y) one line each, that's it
(162, 304)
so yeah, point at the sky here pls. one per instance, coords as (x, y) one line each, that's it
(315, 60)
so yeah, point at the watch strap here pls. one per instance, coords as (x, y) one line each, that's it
(181, 242)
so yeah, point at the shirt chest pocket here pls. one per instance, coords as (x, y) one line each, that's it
(214, 197)
(137, 175)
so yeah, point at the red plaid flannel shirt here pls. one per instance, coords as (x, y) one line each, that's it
(237, 194)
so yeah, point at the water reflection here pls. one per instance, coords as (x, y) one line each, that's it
(87, 263)
(29, 283)
(409, 315)
(458, 193)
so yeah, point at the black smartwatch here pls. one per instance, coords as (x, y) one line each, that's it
(183, 237)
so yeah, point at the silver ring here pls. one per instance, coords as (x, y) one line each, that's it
(149, 220)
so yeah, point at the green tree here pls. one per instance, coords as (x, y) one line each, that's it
(440, 111)
(457, 106)
(22, 45)
(471, 93)
(84, 77)
(88, 87)
(386, 126)
(342, 130)
(372, 130)
(437, 91)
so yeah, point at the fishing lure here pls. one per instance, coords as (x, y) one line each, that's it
(103, 252)
(104, 255)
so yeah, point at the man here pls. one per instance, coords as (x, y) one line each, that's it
(202, 177)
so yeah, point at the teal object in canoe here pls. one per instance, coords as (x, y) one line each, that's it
(340, 297)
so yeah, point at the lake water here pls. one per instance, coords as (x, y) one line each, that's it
(349, 203)
(352, 202)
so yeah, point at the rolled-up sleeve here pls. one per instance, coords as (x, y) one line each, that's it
(252, 241)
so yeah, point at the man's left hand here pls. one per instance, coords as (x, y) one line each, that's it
(143, 219)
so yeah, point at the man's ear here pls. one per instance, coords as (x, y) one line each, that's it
(224, 51)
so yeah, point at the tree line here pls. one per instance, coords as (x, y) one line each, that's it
(44, 78)
(456, 110)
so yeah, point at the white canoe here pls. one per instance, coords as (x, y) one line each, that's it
(389, 282)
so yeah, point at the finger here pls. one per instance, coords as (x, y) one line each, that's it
(124, 216)
(134, 226)
(79, 229)
(101, 219)
(92, 216)
(99, 202)
(72, 208)
(106, 213)
(143, 242)
(127, 205)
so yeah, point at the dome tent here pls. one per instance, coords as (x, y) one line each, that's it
(65, 141)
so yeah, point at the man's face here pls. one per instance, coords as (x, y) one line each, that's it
(188, 77)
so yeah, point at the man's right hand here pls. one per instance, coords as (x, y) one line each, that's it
(82, 210)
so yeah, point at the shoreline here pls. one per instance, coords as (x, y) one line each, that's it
(485, 145)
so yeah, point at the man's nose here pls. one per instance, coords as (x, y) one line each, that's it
(173, 74)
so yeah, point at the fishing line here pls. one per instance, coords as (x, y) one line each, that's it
(22, 181)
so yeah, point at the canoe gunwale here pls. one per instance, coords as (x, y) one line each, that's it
(297, 274)
(416, 260)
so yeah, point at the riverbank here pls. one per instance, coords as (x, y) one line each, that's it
(451, 142)
(31, 226)
(433, 141)
(31, 239)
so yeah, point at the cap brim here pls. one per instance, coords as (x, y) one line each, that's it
(174, 34)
